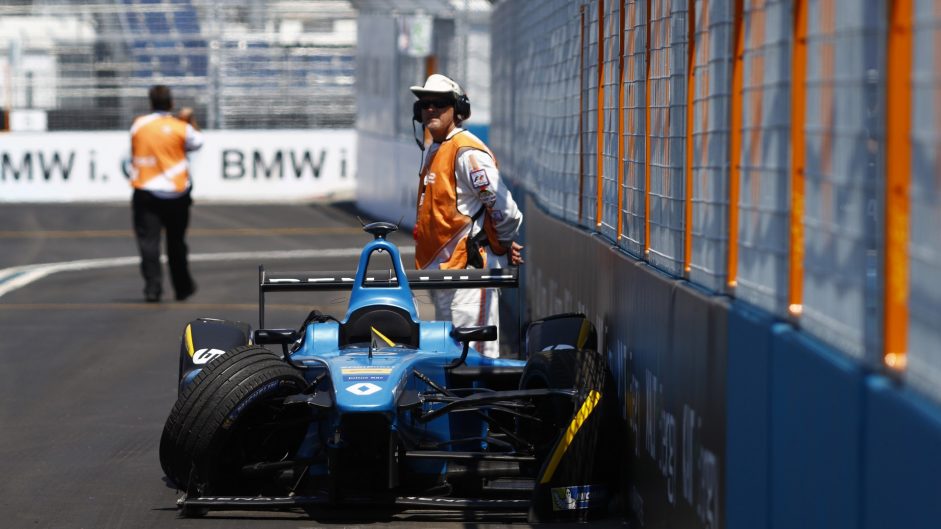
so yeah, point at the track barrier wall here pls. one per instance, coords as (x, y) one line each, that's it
(743, 197)
(233, 166)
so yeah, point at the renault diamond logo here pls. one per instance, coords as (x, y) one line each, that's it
(364, 388)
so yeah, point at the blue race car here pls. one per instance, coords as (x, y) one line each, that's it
(384, 409)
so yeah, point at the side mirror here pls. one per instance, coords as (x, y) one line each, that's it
(272, 336)
(486, 333)
(466, 335)
(276, 336)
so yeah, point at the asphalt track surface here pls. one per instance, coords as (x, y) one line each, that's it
(88, 370)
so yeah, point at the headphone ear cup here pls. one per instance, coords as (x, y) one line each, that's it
(462, 107)
(416, 111)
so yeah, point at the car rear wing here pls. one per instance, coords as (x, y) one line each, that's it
(417, 279)
(269, 281)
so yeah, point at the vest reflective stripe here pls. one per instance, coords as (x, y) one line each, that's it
(143, 120)
(438, 221)
(159, 154)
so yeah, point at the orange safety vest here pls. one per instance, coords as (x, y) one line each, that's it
(438, 220)
(158, 154)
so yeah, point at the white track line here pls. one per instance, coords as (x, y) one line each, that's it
(17, 277)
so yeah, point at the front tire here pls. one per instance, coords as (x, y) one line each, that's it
(232, 415)
(581, 370)
(561, 369)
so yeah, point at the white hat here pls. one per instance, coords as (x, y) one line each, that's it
(438, 84)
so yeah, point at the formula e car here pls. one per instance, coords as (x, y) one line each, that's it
(381, 408)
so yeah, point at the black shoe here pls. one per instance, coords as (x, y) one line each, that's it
(152, 297)
(181, 295)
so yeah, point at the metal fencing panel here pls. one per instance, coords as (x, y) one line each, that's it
(789, 142)
(846, 51)
(633, 212)
(711, 143)
(538, 127)
(764, 204)
(590, 119)
(607, 222)
(668, 36)
(924, 364)
(247, 64)
(501, 93)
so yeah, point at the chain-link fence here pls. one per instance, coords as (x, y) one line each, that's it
(258, 64)
(783, 170)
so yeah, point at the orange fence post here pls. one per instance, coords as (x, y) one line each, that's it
(600, 135)
(735, 141)
(798, 107)
(898, 164)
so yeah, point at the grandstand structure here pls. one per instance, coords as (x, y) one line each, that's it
(246, 64)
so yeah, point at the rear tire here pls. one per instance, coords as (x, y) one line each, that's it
(232, 415)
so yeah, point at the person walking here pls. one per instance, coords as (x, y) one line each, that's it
(466, 217)
(161, 181)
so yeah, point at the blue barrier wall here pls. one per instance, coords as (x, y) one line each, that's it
(666, 341)
(748, 430)
(737, 419)
(816, 427)
(901, 485)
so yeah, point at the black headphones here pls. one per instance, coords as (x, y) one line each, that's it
(462, 108)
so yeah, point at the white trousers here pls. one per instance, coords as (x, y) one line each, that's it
(471, 307)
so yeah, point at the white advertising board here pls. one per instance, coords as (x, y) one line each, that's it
(28, 120)
(232, 166)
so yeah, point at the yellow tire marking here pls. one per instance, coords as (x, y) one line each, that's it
(583, 334)
(188, 337)
(569, 435)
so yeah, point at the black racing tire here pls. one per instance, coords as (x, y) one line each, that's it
(550, 370)
(232, 415)
(569, 369)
